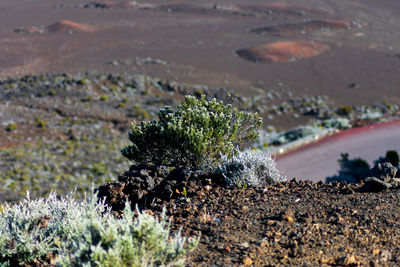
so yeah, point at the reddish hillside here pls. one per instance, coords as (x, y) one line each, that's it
(67, 25)
(282, 51)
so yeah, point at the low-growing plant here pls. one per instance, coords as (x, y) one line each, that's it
(345, 110)
(11, 127)
(86, 234)
(196, 135)
(250, 169)
(393, 157)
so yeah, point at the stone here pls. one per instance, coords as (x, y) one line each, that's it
(377, 184)
(384, 171)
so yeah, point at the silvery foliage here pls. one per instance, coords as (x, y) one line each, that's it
(250, 168)
(86, 234)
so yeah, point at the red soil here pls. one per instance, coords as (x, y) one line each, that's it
(306, 27)
(67, 25)
(282, 51)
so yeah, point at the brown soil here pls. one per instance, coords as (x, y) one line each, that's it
(291, 223)
(294, 224)
(197, 41)
(283, 51)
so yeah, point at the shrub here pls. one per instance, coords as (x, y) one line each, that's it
(195, 135)
(391, 156)
(351, 170)
(86, 234)
(336, 123)
(249, 168)
(11, 127)
(41, 123)
(344, 110)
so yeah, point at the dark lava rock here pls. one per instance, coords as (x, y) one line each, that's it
(300, 29)
(384, 171)
(112, 193)
(144, 184)
(382, 177)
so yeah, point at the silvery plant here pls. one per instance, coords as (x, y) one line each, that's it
(250, 169)
(85, 233)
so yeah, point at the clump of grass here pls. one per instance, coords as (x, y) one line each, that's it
(86, 234)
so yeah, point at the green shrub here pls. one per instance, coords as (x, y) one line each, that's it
(197, 134)
(345, 110)
(86, 234)
(103, 98)
(11, 127)
(393, 157)
(351, 170)
(41, 123)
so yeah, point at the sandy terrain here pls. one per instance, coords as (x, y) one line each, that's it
(198, 41)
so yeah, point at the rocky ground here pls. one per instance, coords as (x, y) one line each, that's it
(295, 223)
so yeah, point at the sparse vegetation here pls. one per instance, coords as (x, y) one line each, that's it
(73, 233)
(60, 166)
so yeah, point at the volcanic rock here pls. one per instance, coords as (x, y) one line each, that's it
(384, 171)
(291, 9)
(282, 51)
(382, 177)
(108, 4)
(299, 29)
(144, 184)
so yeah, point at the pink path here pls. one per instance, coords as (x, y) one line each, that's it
(317, 161)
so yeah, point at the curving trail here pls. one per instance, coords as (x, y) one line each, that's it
(317, 161)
